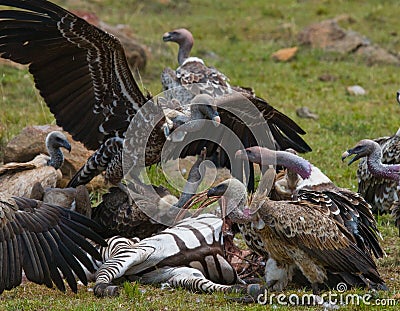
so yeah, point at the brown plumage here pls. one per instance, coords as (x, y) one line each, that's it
(43, 240)
(304, 182)
(299, 234)
(140, 210)
(18, 178)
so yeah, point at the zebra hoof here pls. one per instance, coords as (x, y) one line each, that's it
(105, 290)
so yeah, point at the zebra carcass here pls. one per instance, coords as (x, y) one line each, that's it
(188, 255)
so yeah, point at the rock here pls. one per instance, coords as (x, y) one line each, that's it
(356, 90)
(305, 112)
(329, 36)
(31, 142)
(135, 52)
(374, 54)
(284, 55)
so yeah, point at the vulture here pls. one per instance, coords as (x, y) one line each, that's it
(143, 210)
(18, 178)
(95, 96)
(193, 77)
(382, 187)
(46, 242)
(304, 182)
(298, 234)
(378, 190)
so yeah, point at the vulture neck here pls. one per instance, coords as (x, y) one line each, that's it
(235, 202)
(378, 169)
(195, 178)
(56, 157)
(300, 172)
(294, 163)
(185, 48)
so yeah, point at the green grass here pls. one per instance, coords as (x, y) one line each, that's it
(238, 37)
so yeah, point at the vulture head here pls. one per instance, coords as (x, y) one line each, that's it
(184, 39)
(54, 142)
(201, 108)
(373, 152)
(363, 148)
(266, 157)
(233, 200)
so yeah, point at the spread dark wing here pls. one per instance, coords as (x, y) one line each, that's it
(43, 240)
(246, 121)
(380, 192)
(80, 70)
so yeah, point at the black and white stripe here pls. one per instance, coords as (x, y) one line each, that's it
(188, 255)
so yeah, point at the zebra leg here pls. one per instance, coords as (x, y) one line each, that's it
(193, 280)
(120, 255)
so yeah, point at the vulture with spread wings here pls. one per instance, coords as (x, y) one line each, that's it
(84, 78)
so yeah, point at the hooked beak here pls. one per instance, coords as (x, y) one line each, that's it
(241, 154)
(67, 146)
(167, 37)
(348, 153)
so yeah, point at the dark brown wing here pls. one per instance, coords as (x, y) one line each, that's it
(80, 70)
(119, 216)
(305, 227)
(43, 240)
(350, 210)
